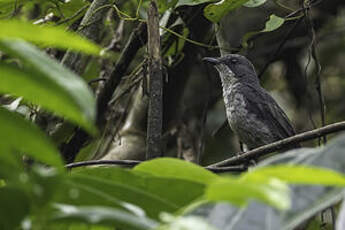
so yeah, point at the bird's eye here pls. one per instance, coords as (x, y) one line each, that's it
(233, 60)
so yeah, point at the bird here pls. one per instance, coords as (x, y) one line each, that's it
(253, 115)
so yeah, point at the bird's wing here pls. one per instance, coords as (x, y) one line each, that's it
(270, 112)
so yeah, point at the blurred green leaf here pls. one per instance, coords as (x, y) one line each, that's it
(163, 5)
(103, 215)
(178, 169)
(44, 184)
(69, 8)
(215, 11)
(192, 2)
(115, 186)
(239, 192)
(184, 223)
(46, 36)
(272, 24)
(18, 134)
(254, 3)
(11, 165)
(46, 82)
(6, 8)
(298, 174)
(14, 207)
(158, 186)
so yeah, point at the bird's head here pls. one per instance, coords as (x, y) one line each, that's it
(234, 67)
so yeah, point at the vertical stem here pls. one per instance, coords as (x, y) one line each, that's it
(318, 68)
(155, 111)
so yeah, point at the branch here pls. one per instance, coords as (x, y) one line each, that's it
(155, 110)
(131, 163)
(128, 163)
(136, 40)
(312, 49)
(266, 149)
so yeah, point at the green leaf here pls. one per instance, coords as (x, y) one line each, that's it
(192, 2)
(272, 24)
(164, 5)
(45, 36)
(254, 3)
(114, 186)
(239, 192)
(214, 12)
(15, 205)
(46, 82)
(298, 174)
(184, 223)
(44, 184)
(104, 216)
(176, 195)
(70, 8)
(6, 8)
(178, 169)
(18, 134)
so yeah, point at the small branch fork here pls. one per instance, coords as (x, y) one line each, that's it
(233, 164)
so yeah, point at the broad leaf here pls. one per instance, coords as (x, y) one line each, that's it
(294, 174)
(215, 11)
(192, 2)
(163, 5)
(224, 216)
(184, 223)
(102, 215)
(272, 24)
(254, 3)
(15, 205)
(45, 82)
(46, 36)
(114, 186)
(307, 200)
(178, 169)
(240, 192)
(18, 134)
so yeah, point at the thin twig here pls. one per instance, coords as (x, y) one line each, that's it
(236, 168)
(240, 158)
(132, 163)
(128, 163)
(224, 166)
(76, 14)
(135, 42)
(96, 80)
(318, 69)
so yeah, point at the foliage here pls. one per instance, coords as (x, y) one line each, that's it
(37, 192)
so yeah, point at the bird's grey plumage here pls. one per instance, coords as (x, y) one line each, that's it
(252, 113)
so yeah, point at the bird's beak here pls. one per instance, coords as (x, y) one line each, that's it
(211, 60)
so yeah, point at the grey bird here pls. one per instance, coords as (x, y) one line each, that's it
(253, 115)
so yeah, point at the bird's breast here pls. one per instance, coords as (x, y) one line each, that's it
(235, 102)
(242, 121)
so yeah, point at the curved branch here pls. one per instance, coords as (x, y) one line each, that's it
(128, 163)
(131, 163)
(278, 145)
(225, 166)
